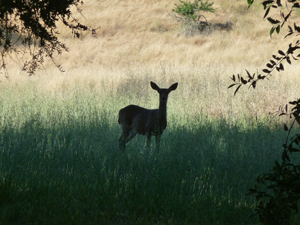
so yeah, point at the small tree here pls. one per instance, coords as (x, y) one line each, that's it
(33, 23)
(189, 14)
(189, 10)
(278, 190)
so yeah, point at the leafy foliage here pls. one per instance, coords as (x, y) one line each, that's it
(275, 63)
(33, 24)
(188, 10)
(278, 191)
(282, 195)
(188, 14)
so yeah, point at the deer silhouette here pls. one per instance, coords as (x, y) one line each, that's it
(151, 122)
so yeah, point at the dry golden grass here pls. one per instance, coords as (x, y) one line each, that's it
(139, 40)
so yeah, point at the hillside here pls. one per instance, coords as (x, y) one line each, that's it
(142, 33)
(139, 41)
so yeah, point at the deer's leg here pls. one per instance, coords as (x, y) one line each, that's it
(125, 137)
(122, 143)
(127, 134)
(148, 140)
(130, 136)
(157, 142)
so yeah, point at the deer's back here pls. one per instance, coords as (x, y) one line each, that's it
(141, 120)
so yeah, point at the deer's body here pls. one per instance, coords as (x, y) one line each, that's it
(138, 120)
(134, 115)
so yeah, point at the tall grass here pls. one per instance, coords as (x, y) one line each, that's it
(60, 161)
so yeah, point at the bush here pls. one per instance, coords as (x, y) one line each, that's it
(188, 10)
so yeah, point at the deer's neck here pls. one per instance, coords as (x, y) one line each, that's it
(162, 111)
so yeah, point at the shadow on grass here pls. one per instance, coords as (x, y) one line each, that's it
(74, 173)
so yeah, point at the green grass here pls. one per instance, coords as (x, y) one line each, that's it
(60, 164)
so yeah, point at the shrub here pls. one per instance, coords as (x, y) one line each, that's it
(188, 10)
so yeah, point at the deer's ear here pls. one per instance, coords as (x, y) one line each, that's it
(154, 86)
(173, 87)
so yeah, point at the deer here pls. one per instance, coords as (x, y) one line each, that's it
(151, 122)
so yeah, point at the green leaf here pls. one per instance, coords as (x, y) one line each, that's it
(237, 89)
(271, 20)
(277, 164)
(272, 31)
(297, 28)
(281, 52)
(287, 16)
(233, 78)
(231, 85)
(281, 66)
(293, 103)
(296, 5)
(249, 3)
(286, 157)
(249, 75)
(294, 150)
(265, 3)
(279, 3)
(276, 57)
(243, 80)
(267, 12)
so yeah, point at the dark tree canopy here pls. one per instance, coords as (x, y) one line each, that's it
(33, 23)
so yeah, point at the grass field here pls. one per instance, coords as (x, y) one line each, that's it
(60, 161)
(59, 157)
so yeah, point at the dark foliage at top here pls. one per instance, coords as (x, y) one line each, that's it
(33, 23)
